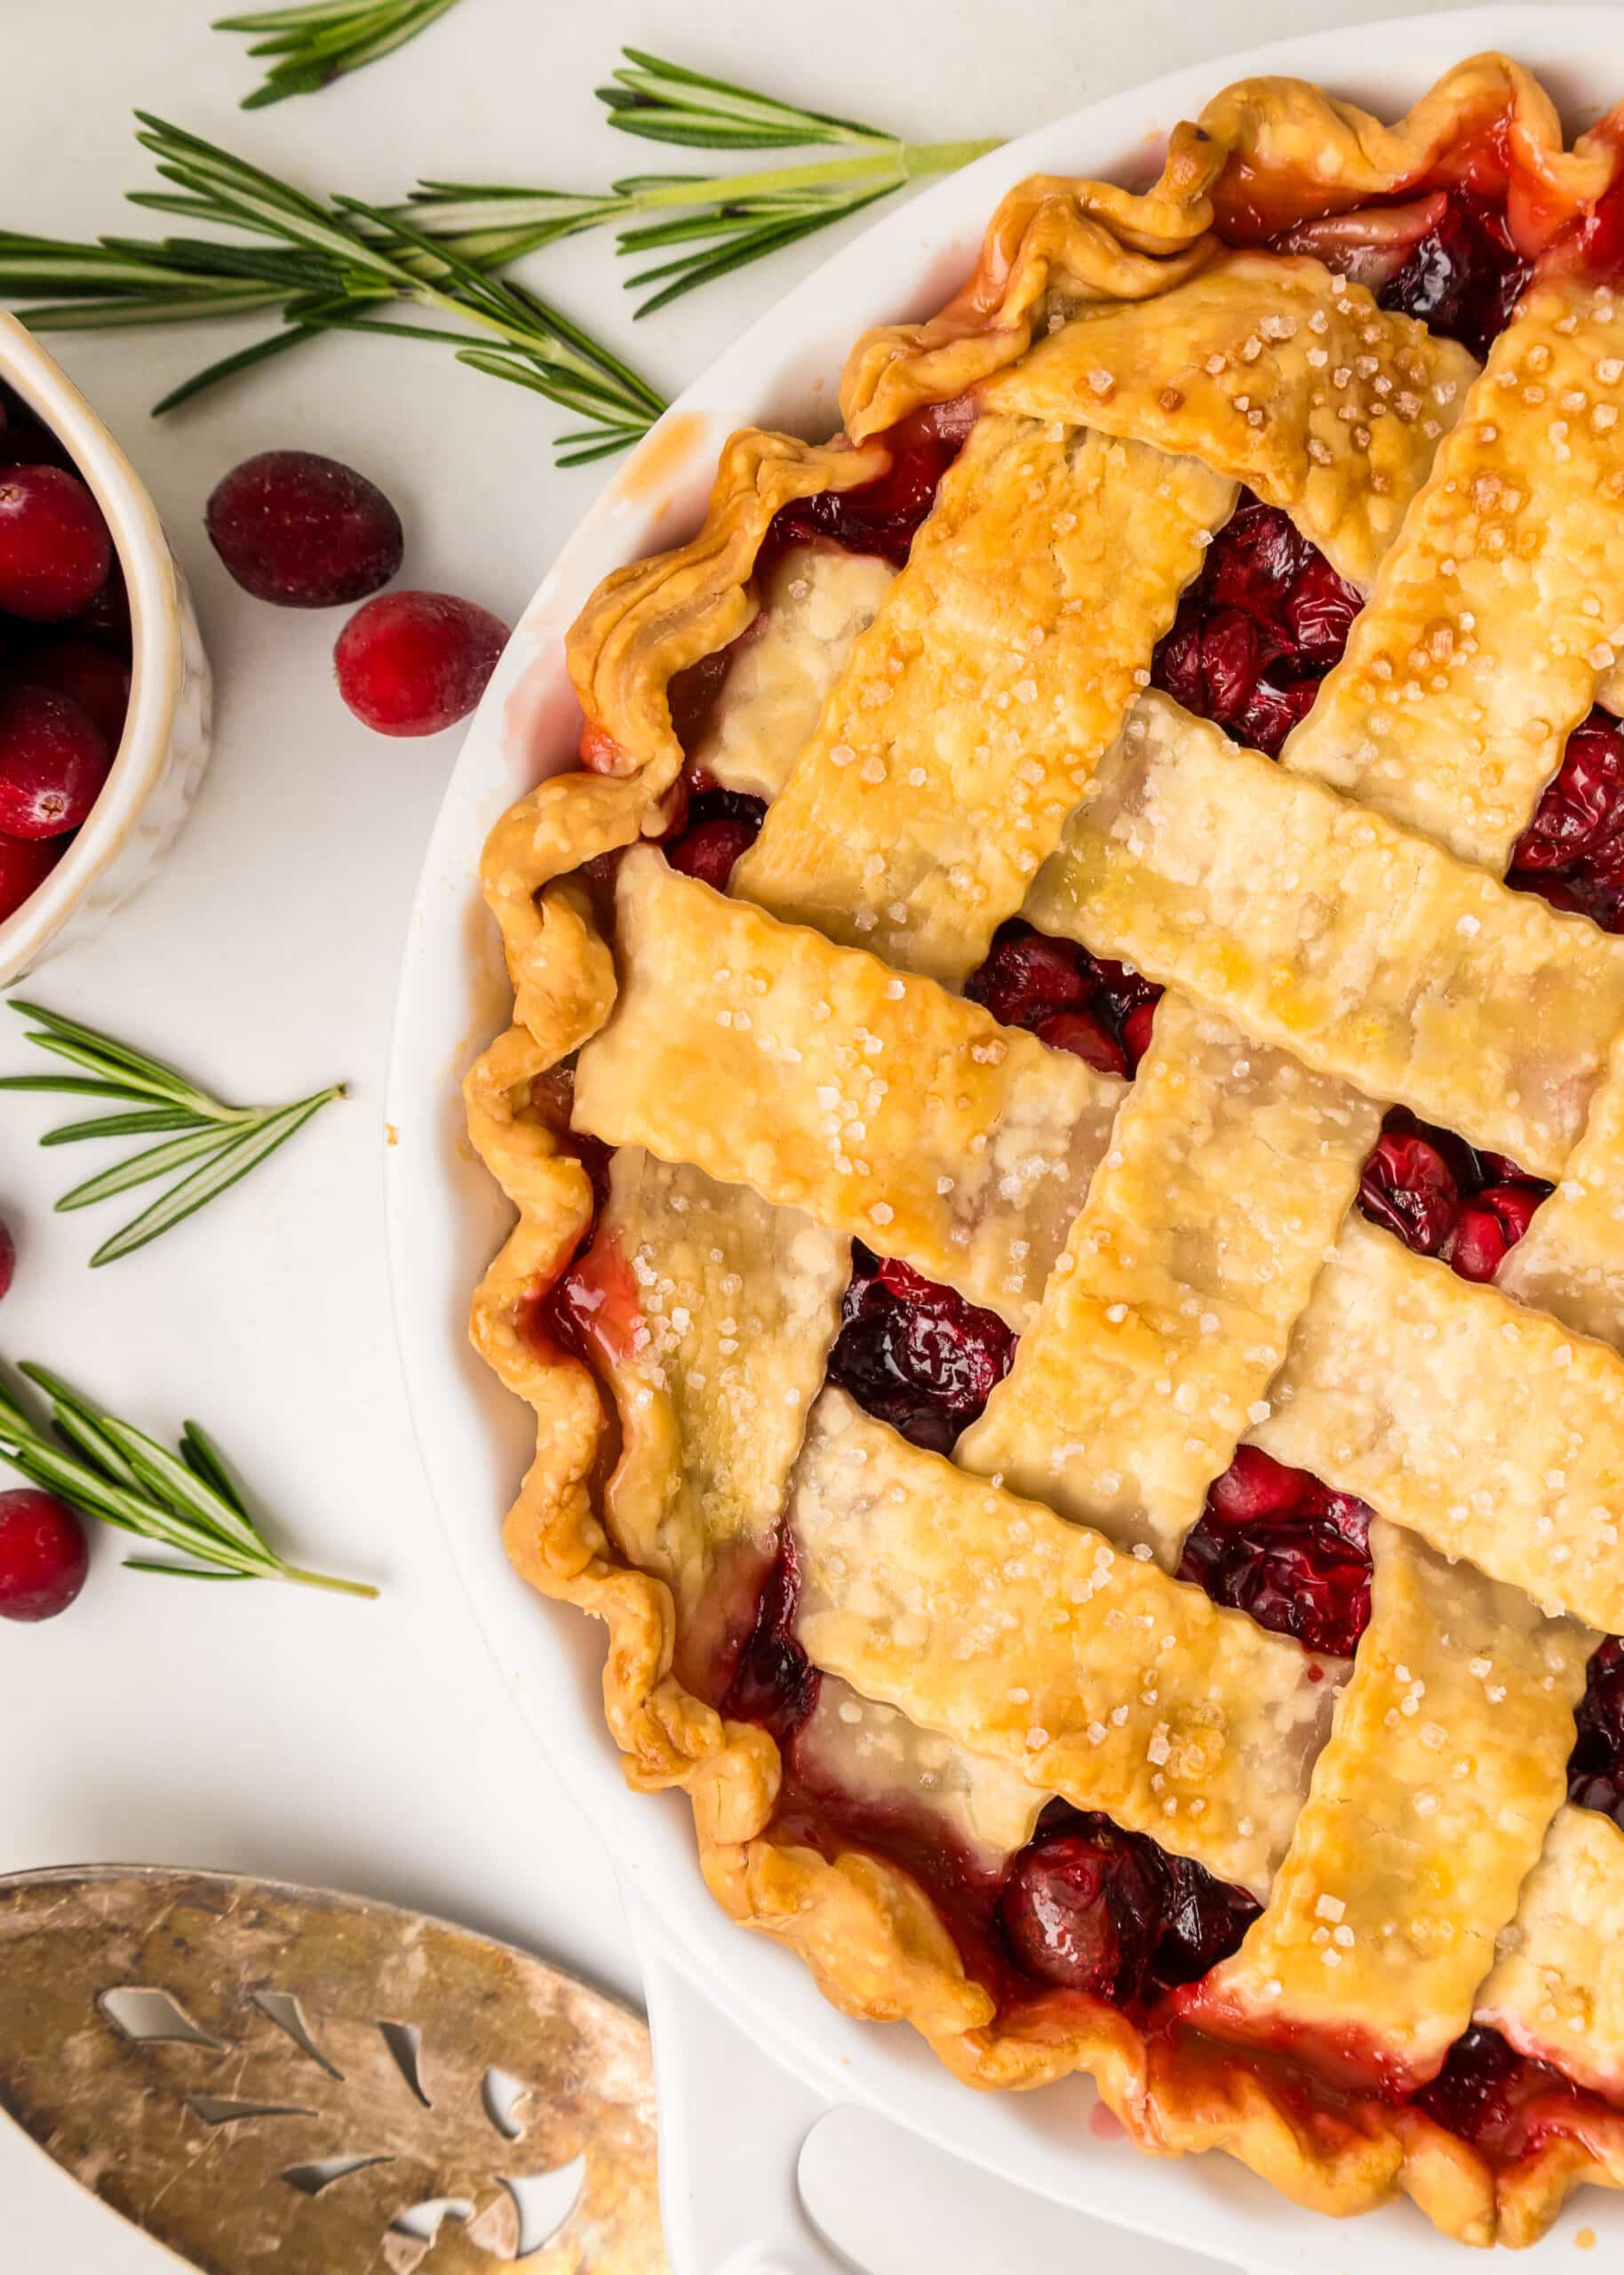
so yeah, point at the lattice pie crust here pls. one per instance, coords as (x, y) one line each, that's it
(793, 1066)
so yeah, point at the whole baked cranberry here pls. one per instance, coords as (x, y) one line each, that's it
(1464, 276)
(1080, 1914)
(1090, 1907)
(914, 1353)
(43, 1556)
(304, 531)
(25, 863)
(54, 547)
(718, 827)
(8, 1258)
(1276, 1543)
(1085, 1036)
(412, 663)
(1408, 1185)
(53, 761)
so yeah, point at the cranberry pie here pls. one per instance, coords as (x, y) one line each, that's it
(1066, 1105)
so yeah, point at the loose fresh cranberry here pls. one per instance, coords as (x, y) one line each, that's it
(304, 531)
(1572, 851)
(915, 1354)
(1259, 629)
(43, 1556)
(53, 763)
(94, 678)
(1089, 1907)
(54, 547)
(25, 863)
(773, 1682)
(1276, 1542)
(1464, 275)
(8, 1258)
(412, 663)
(881, 516)
(718, 826)
(1595, 1766)
(1074, 1002)
(1442, 1197)
(1483, 2087)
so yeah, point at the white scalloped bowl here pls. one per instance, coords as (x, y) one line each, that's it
(727, 2141)
(165, 743)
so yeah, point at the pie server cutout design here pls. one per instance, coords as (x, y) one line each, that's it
(270, 2077)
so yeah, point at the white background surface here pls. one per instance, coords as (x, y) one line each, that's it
(266, 1729)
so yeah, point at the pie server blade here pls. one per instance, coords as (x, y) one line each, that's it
(269, 2077)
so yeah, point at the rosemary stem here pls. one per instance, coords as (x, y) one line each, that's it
(297, 1575)
(898, 162)
(944, 157)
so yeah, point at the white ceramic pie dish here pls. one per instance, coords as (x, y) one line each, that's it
(165, 744)
(727, 2158)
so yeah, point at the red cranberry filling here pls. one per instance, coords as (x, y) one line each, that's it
(1072, 1000)
(1483, 2088)
(1258, 630)
(1572, 851)
(1278, 1544)
(915, 1354)
(1089, 1907)
(881, 516)
(1443, 1197)
(718, 826)
(1464, 276)
(1595, 1766)
(773, 1681)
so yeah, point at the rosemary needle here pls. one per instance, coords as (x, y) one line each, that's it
(320, 267)
(186, 1502)
(205, 1145)
(320, 42)
(727, 220)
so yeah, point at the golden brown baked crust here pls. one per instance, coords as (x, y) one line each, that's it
(875, 1942)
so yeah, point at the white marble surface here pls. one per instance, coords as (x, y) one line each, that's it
(270, 1730)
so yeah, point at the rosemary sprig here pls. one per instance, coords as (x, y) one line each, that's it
(317, 44)
(342, 265)
(188, 1503)
(727, 220)
(206, 1146)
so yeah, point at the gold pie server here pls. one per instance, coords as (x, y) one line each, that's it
(269, 2077)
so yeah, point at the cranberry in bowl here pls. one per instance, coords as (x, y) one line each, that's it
(104, 687)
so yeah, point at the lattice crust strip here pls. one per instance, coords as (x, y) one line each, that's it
(1038, 1643)
(1556, 1990)
(1230, 1171)
(882, 1106)
(815, 601)
(1445, 1765)
(1276, 371)
(972, 715)
(872, 1754)
(1367, 952)
(710, 1318)
(1485, 1427)
(1571, 1260)
(1502, 605)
